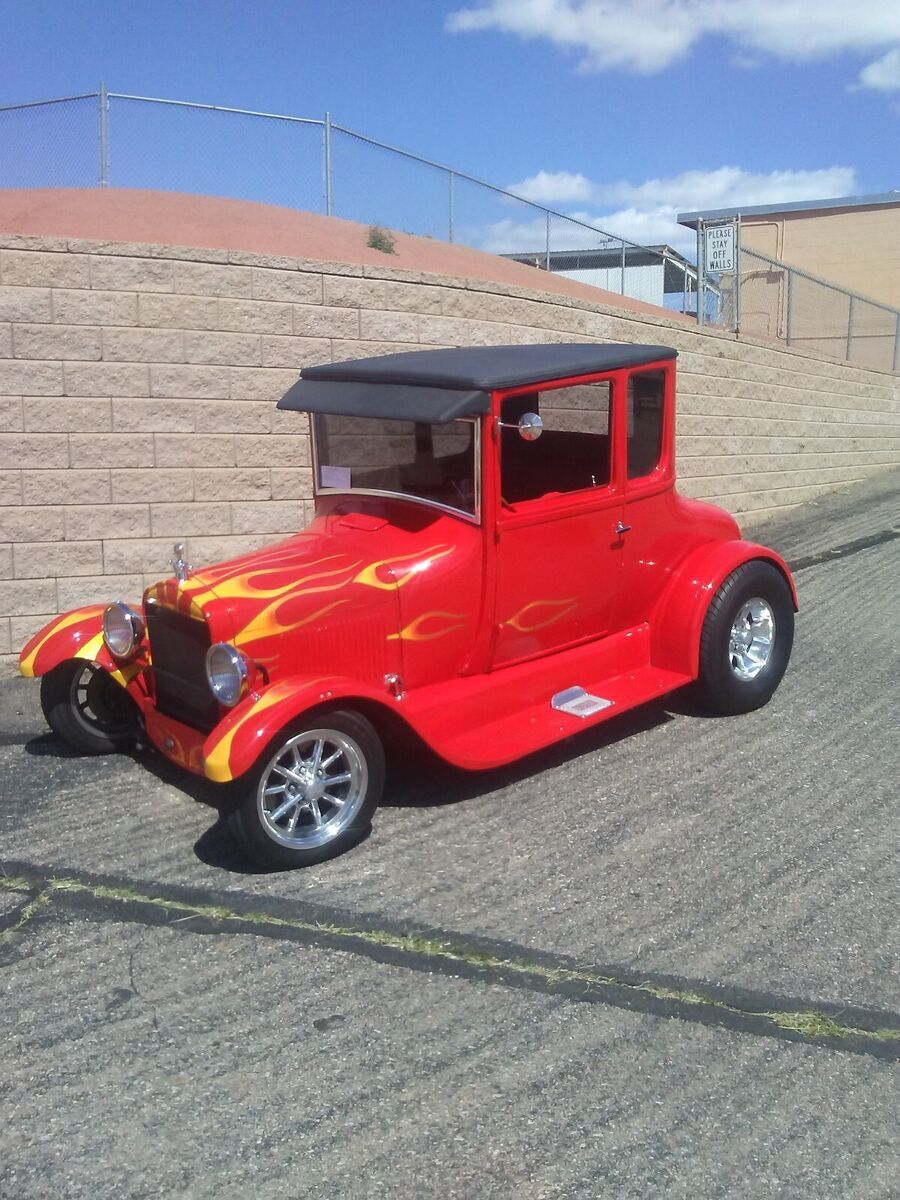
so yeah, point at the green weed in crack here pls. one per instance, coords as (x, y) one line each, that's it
(809, 1024)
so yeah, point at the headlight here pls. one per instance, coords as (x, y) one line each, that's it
(226, 670)
(122, 629)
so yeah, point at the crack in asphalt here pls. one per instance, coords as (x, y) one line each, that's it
(853, 1029)
(845, 549)
(23, 914)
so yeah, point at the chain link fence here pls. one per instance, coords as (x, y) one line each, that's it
(782, 303)
(376, 182)
(120, 140)
(114, 139)
(185, 148)
(54, 143)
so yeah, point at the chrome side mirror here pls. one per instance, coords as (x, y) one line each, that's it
(529, 425)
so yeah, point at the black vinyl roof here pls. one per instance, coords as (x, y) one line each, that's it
(436, 386)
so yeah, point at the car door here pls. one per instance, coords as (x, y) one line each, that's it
(558, 555)
(655, 535)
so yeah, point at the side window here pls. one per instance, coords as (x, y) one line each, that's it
(571, 455)
(646, 393)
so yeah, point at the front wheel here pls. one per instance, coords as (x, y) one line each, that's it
(312, 794)
(746, 640)
(86, 708)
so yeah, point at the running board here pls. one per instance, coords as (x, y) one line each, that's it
(482, 721)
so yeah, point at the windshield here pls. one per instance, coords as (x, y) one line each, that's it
(434, 463)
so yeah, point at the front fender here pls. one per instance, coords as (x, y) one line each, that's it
(237, 741)
(677, 621)
(76, 634)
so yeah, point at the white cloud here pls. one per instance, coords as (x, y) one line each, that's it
(553, 187)
(884, 73)
(646, 36)
(729, 185)
(509, 236)
(651, 227)
(607, 34)
(646, 213)
(655, 227)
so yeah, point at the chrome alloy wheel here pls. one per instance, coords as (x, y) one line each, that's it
(751, 639)
(312, 788)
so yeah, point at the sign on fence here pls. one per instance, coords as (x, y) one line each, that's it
(718, 249)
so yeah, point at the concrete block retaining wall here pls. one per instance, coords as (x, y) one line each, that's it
(138, 383)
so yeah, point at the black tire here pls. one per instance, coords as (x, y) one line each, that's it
(265, 835)
(86, 708)
(720, 684)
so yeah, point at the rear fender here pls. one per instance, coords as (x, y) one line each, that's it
(677, 622)
(76, 634)
(236, 742)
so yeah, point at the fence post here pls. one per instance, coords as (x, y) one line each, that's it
(547, 247)
(737, 274)
(450, 203)
(789, 315)
(701, 277)
(329, 198)
(665, 266)
(849, 326)
(103, 107)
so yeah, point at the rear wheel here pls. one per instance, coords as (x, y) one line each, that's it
(747, 638)
(312, 794)
(86, 708)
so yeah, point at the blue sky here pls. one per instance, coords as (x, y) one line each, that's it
(621, 112)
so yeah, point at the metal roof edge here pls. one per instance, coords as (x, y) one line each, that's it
(660, 249)
(691, 219)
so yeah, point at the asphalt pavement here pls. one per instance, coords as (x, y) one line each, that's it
(660, 959)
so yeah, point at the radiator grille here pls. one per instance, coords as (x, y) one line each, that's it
(178, 646)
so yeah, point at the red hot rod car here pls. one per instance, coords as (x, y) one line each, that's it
(499, 558)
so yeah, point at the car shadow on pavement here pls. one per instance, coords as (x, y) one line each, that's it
(419, 779)
(416, 777)
(216, 847)
(45, 745)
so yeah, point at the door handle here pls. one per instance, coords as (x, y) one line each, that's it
(622, 529)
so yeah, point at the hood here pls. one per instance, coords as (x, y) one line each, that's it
(325, 600)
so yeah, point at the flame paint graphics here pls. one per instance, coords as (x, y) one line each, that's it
(270, 578)
(275, 579)
(415, 631)
(32, 648)
(283, 613)
(217, 763)
(388, 576)
(170, 744)
(275, 619)
(526, 620)
(191, 757)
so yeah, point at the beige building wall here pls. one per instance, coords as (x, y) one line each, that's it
(138, 387)
(857, 248)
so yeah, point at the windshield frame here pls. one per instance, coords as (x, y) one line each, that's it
(474, 517)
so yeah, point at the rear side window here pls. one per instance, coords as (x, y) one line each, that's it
(646, 392)
(571, 455)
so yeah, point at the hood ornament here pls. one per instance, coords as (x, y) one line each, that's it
(180, 566)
